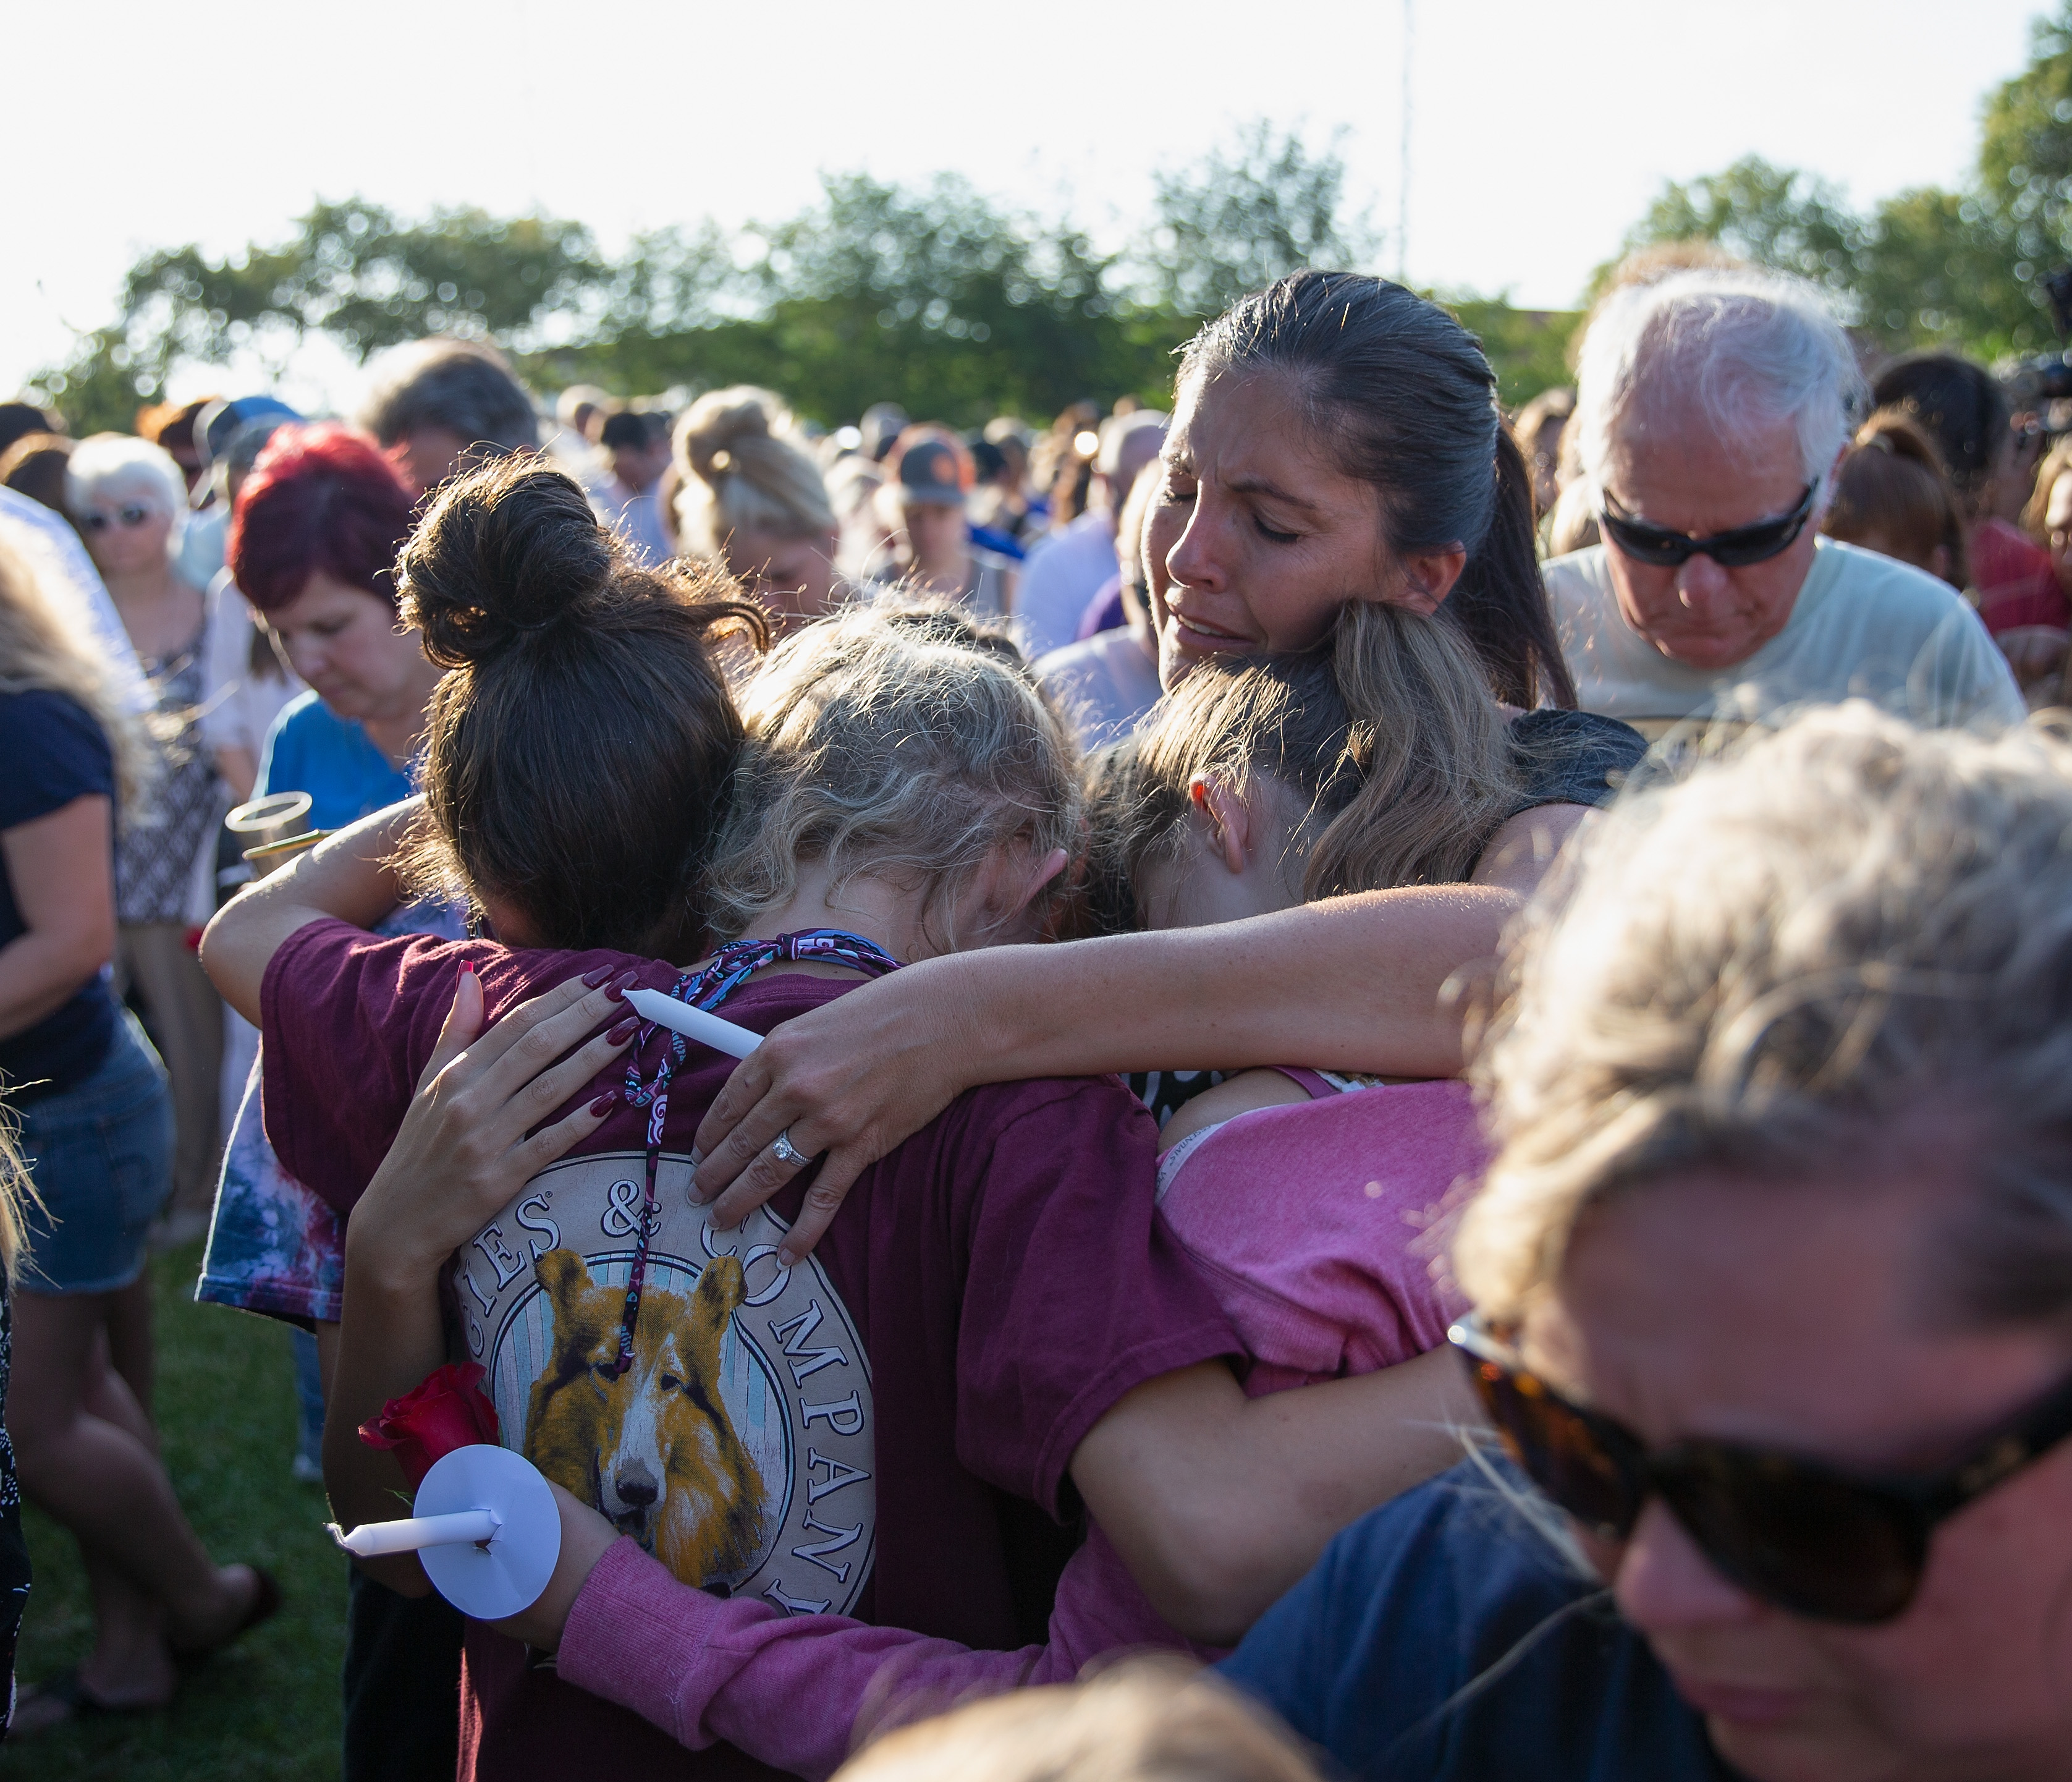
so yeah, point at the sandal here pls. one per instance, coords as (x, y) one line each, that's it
(265, 1605)
(61, 1699)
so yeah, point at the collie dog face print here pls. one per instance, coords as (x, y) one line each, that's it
(737, 1445)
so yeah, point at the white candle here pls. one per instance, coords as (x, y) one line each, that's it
(412, 1532)
(708, 1030)
(487, 1532)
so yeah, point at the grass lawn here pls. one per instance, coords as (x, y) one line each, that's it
(268, 1706)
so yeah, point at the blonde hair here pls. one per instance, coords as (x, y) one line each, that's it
(1807, 946)
(906, 742)
(2035, 511)
(18, 1191)
(1149, 1721)
(745, 470)
(1411, 796)
(41, 651)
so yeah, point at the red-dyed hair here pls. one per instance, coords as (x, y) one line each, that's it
(320, 500)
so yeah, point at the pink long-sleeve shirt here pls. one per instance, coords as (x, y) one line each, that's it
(1310, 1223)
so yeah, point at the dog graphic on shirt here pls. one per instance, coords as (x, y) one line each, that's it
(653, 1448)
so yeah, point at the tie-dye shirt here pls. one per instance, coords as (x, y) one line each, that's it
(274, 1246)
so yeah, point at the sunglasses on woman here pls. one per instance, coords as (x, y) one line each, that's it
(1815, 1540)
(1731, 550)
(130, 515)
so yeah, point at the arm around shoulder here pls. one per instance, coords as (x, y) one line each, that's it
(1219, 1503)
(350, 876)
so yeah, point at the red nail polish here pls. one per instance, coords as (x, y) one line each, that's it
(605, 1102)
(593, 979)
(467, 968)
(624, 982)
(623, 1031)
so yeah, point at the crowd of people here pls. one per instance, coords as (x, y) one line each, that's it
(1411, 1053)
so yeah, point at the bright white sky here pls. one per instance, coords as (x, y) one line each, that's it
(1539, 131)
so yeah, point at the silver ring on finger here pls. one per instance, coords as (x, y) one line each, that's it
(785, 1152)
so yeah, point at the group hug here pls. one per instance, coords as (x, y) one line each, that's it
(1530, 1248)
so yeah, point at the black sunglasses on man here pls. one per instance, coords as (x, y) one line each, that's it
(1733, 549)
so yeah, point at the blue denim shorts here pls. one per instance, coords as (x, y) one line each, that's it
(101, 1158)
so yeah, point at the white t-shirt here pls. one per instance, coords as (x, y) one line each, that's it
(1864, 627)
(1062, 574)
(1103, 685)
(203, 541)
(635, 515)
(238, 706)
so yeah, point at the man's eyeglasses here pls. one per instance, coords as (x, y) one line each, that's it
(1733, 550)
(1809, 1537)
(130, 515)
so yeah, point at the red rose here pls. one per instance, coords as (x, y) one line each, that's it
(447, 1410)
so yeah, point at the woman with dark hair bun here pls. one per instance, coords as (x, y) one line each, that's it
(1337, 479)
(312, 546)
(575, 743)
(584, 687)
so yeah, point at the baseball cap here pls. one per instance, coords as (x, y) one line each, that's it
(928, 474)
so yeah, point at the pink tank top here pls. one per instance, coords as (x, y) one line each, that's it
(1311, 1221)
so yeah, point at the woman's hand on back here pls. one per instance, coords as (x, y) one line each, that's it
(852, 1080)
(468, 1143)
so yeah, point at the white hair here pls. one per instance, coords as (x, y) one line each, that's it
(1846, 930)
(1729, 349)
(115, 466)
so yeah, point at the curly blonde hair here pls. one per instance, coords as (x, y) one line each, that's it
(906, 742)
(1846, 928)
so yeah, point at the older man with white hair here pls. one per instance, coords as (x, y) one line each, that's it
(1713, 407)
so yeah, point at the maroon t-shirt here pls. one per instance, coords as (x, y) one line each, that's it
(1004, 1273)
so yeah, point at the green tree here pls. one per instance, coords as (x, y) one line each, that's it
(351, 272)
(932, 297)
(1928, 267)
(1528, 348)
(1937, 269)
(1246, 215)
(1775, 217)
(2024, 190)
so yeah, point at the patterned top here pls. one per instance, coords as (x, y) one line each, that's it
(155, 856)
(274, 1247)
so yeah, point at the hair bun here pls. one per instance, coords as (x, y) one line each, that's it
(510, 550)
(715, 429)
(1898, 433)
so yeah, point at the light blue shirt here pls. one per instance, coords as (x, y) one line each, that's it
(311, 749)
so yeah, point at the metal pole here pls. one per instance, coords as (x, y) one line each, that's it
(1402, 186)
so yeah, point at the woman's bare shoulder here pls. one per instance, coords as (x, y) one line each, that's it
(1232, 1097)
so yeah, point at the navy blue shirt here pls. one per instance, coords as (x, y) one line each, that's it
(56, 752)
(1375, 1656)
